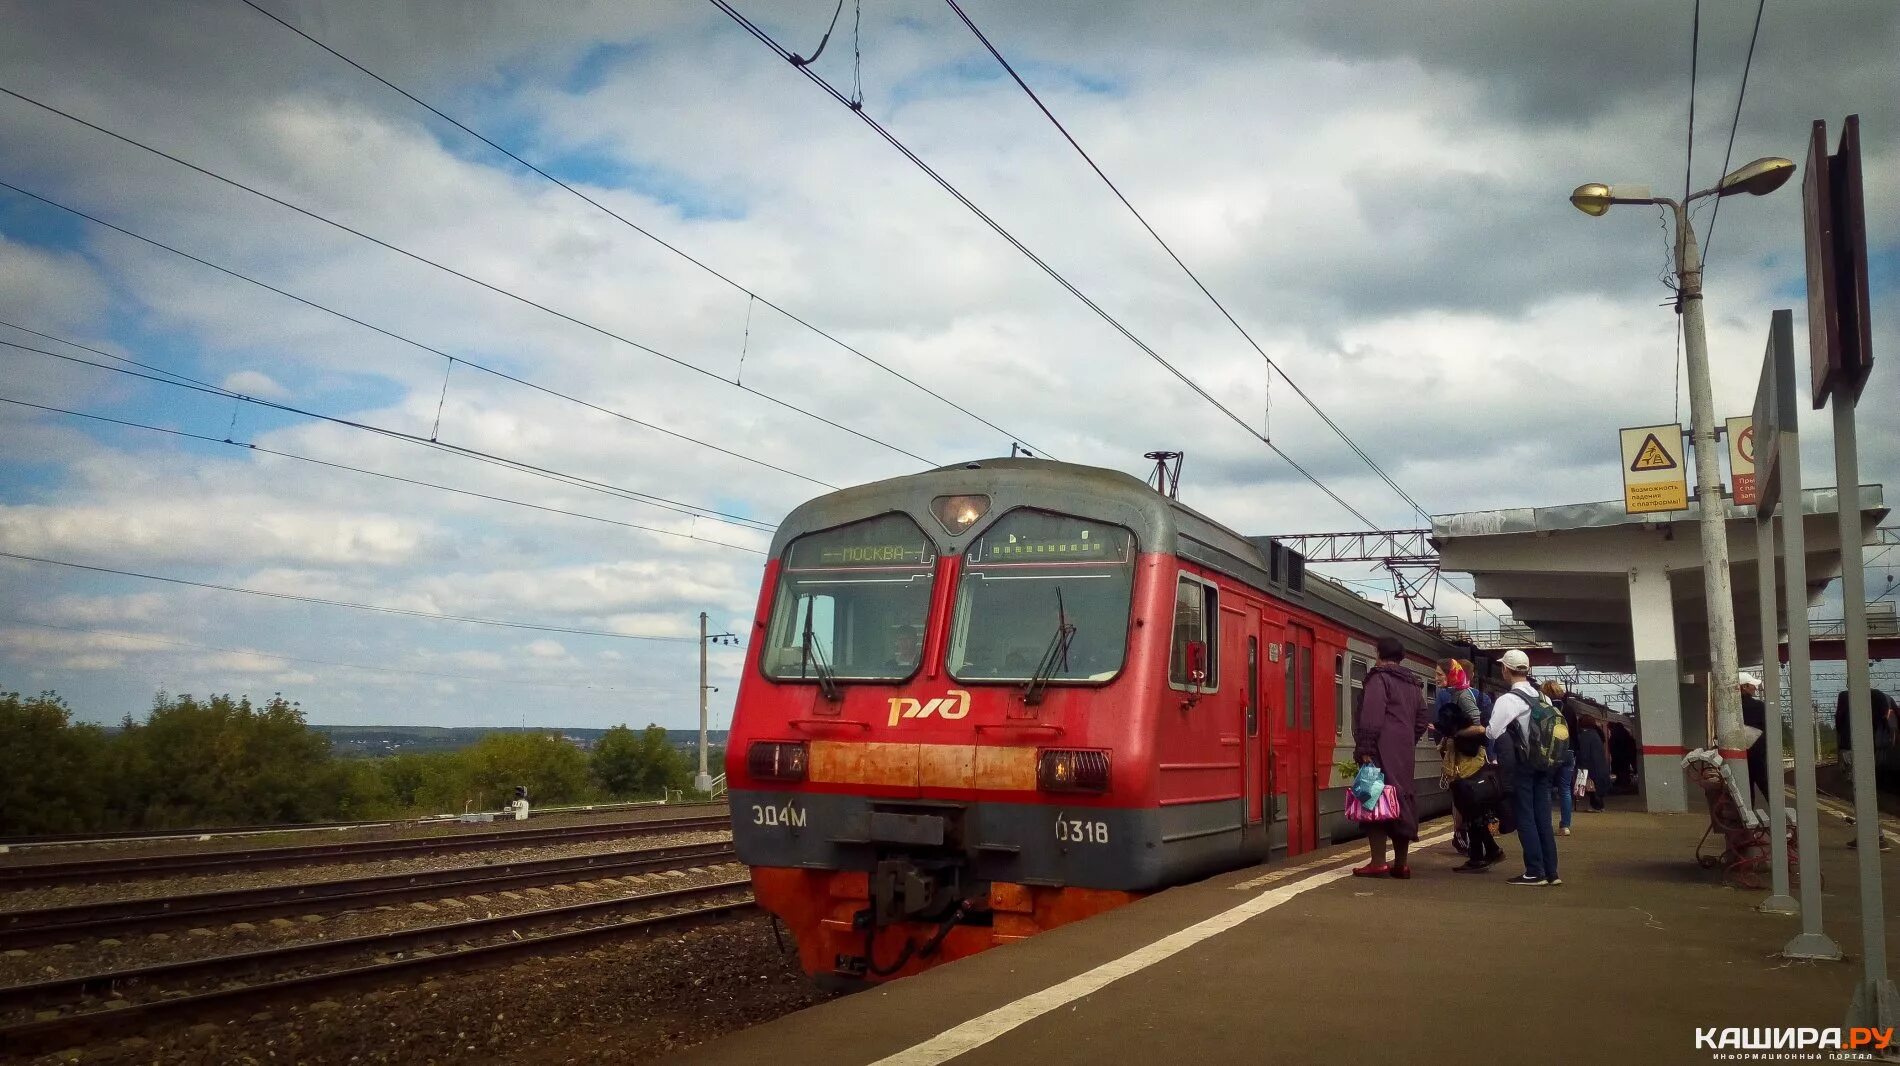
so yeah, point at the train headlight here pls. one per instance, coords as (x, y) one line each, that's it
(1061, 770)
(958, 513)
(778, 760)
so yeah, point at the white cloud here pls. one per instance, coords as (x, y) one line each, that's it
(255, 383)
(1382, 208)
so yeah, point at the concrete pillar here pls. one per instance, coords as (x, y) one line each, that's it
(1658, 677)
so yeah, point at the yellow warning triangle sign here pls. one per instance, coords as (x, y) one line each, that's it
(1653, 456)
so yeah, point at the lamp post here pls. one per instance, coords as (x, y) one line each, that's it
(1758, 178)
(703, 782)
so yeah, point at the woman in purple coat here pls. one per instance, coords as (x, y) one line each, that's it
(1392, 718)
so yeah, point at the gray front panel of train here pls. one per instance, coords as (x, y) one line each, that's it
(1022, 843)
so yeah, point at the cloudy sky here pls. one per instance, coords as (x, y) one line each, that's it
(1377, 191)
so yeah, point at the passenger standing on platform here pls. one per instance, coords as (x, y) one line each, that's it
(1884, 731)
(1566, 781)
(1509, 731)
(1455, 709)
(1391, 720)
(1755, 713)
(1593, 756)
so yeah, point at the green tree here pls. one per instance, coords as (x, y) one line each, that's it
(616, 762)
(223, 760)
(554, 770)
(661, 764)
(51, 770)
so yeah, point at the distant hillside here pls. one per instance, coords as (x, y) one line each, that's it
(407, 739)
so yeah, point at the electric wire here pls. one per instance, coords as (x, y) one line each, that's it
(1695, 52)
(121, 634)
(392, 335)
(261, 449)
(630, 224)
(1028, 253)
(372, 607)
(453, 272)
(1185, 269)
(575, 480)
(1740, 95)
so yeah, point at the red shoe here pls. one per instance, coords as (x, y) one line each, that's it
(1403, 873)
(1370, 870)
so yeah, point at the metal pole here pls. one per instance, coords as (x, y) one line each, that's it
(1874, 1001)
(1708, 476)
(1812, 942)
(702, 783)
(1779, 901)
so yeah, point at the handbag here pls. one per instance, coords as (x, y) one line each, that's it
(1385, 810)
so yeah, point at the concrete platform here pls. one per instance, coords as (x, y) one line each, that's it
(1623, 962)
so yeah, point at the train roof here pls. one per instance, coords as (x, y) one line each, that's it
(1160, 524)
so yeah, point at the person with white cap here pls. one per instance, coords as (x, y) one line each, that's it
(1509, 728)
(1755, 713)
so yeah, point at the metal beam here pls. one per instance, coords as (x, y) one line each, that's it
(1366, 546)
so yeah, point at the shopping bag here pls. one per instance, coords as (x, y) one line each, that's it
(1367, 785)
(1583, 784)
(1386, 809)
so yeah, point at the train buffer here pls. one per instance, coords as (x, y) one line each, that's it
(1637, 956)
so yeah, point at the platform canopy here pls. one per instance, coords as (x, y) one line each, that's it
(1583, 577)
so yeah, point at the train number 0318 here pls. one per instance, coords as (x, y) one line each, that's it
(1077, 831)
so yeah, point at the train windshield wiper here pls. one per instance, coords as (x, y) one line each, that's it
(1055, 656)
(814, 656)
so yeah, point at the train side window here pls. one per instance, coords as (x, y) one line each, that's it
(1358, 689)
(1196, 618)
(1342, 714)
(1306, 700)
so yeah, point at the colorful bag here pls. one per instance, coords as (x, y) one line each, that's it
(1383, 811)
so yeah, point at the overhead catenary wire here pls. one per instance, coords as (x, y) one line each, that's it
(1272, 366)
(353, 605)
(751, 294)
(263, 450)
(1030, 254)
(279, 657)
(523, 466)
(392, 335)
(470, 278)
(1741, 94)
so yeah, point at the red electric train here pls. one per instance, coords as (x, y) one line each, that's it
(994, 698)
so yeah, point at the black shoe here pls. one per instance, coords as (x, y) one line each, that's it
(1884, 846)
(1553, 881)
(1525, 879)
(1471, 866)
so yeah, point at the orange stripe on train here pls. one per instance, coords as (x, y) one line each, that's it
(836, 762)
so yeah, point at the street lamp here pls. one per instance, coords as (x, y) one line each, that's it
(1758, 178)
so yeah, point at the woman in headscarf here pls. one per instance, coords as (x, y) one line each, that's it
(1392, 718)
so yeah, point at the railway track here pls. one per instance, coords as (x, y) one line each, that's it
(147, 836)
(133, 867)
(26, 928)
(149, 994)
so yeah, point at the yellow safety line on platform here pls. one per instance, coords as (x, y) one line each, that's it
(984, 1028)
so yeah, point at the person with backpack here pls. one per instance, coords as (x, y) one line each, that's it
(1468, 774)
(1527, 726)
(1391, 721)
(1566, 782)
(1455, 709)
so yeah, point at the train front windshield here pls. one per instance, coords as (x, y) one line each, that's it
(854, 599)
(1025, 582)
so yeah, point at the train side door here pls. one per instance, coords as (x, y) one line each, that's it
(1300, 777)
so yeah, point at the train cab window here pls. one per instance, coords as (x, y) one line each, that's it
(852, 600)
(1196, 618)
(1046, 596)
